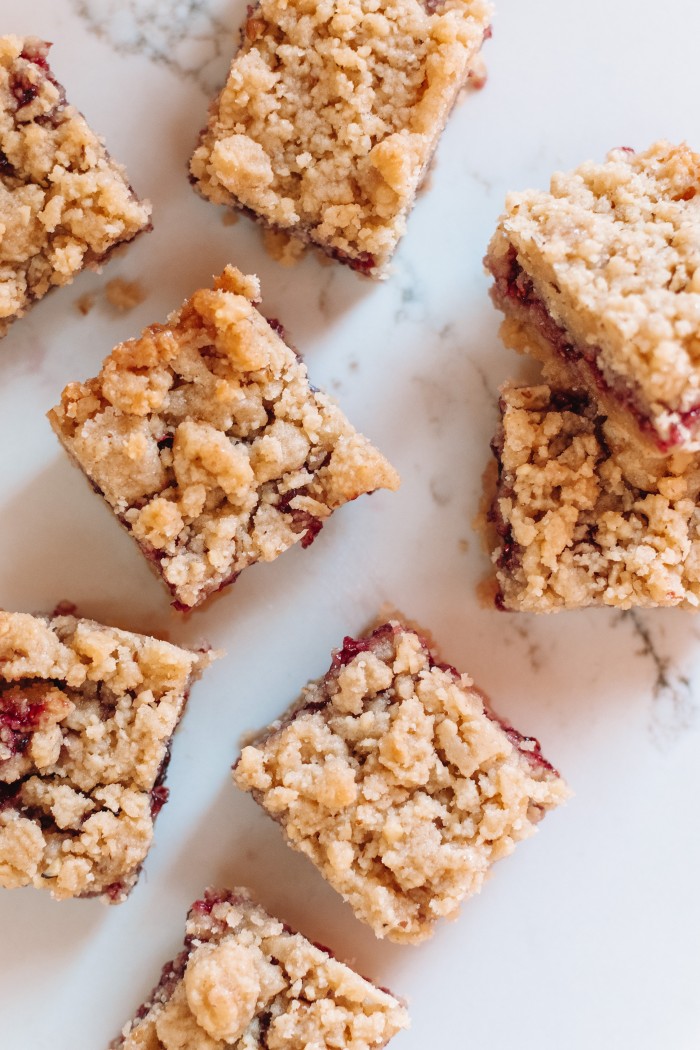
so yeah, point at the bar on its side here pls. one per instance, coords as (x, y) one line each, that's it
(246, 980)
(211, 446)
(330, 117)
(393, 776)
(87, 714)
(599, 278)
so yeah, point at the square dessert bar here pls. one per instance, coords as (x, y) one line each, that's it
(64, 203)
(87, 714)
(393, 776)
(602, 276)
(245, 980)
(209, 443)
(582, 516)
(331, 114)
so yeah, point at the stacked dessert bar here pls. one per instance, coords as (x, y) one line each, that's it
(595, 501)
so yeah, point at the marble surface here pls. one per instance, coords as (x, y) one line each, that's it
(589, 936)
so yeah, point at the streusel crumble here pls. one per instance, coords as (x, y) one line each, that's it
(331, 114)
(209, 443)
(602, 276)
(393, 776)
(583, 516)
(64, 203)
(86, 717)
(246, 981)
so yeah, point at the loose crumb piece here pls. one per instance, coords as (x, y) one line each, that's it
(64, 203)
(283, 248)
(246, 981)
(211, 446)
(84, 303)
(396, 780)
(601, 277)
(124, 295)
(331, 114)
(583, 515)
(87, 714)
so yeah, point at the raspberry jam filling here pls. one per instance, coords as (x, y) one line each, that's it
(514, 287)
(20, 716)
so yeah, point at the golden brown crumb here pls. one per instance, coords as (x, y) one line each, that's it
(283, 248)
(124, 295)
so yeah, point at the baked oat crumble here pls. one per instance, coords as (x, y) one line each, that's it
(602, 275)
(210, 445)
(245, 981)
(64, 203)
(87, 714)
(583, 515)
(331, 114)
(393, 776)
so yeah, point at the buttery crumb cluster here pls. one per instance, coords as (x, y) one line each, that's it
(331, 114)
(398, 783)
(245, 980)
(209, 443)
(64, 203)
(86, 717)
(584, 517)
(601, 275)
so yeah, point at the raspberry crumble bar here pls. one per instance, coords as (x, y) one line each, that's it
(245, 980)
(87, 714)
(64, 203)
(210, 445)
(601, 276)
(393, 776)
(583, 516)
(331, 114)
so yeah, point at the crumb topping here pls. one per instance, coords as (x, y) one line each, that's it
(86, 717)
(398, 783)
(64, 203)
(208, 441)
(613, 251)
(331, 113)
(585, 516)
(245, 980)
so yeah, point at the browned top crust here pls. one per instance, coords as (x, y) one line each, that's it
(331, 113)
(246, 981)
(86, 717)
(207, 439)
(393, 776)
(64, 203)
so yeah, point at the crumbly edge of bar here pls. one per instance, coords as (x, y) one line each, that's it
(87, 714)
(246, 979)
(614, 253)
(351, 204)
(61, 237)
(384, 774)
(209, 443)
(583, 516)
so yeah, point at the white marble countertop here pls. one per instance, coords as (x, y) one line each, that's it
(589, 936)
